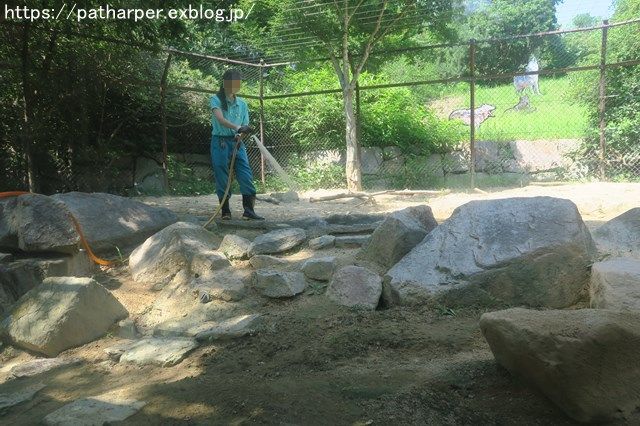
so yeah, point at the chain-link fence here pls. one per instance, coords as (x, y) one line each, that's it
(553, 106)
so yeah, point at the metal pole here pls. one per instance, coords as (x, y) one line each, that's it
(163, 112)
(472, 105)
(603, 95)
(262, 176)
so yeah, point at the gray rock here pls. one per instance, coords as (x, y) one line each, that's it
(620, 236)
(158, 351)
(94, 411)
(433, 165)
(181, 246)
(228, 285)
(40, 365)
(615, 284)
(456, 162)
(227, 329)
(351, 241)
(585, 361)
(277, 241)
(398, 234)
(519, 251)
(6, 257)
(321, 242)
(276, 284)
(355, 287)
(109, 221)
(62, 313)
(36, 223)
(285, 197)
(370, 160)
(8, 400)
(389, 152)
(262, 261)
(538, 156)
(126, 329)
(487, 156)
(234, 247)
(19, 276)
(319, 268)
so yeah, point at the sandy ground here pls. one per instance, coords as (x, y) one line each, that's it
(314, 362)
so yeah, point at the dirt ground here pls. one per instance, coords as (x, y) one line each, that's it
(316, 363)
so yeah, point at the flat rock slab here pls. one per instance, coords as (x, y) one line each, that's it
(8, 400)
(322, 242)
(351, 241)
(615, 284)
(276, 284)
(41, 365)
(158, 351)
(277, 241)
(320, 268)
(109, 221)
(355, 287)
(261, 261)
(585, 361)
(228, 329)
(620, 236)
(62, 313)
(94, 411)
(533, 251)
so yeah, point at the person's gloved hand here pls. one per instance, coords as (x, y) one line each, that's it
(244, 130)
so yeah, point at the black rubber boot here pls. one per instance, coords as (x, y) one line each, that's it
(248, 201)
(225, 213)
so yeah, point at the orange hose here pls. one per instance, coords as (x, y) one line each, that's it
(83, 240)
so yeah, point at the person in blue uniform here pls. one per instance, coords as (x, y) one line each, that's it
(230, 122)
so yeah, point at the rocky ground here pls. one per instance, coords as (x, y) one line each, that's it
(309, 361)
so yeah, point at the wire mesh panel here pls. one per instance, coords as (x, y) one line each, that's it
(555, 106)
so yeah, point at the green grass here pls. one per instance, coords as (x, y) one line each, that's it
(556, 115)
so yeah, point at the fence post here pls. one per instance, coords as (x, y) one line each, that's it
(603, 95)
(262, 176)
(472, 106)
(163, 112)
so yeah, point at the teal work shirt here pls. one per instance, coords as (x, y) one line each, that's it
(237, 112)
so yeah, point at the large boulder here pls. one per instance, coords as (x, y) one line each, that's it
(615, 284)
(519, 251)
(355, 287)
(585, 360)
(277, 241)
(62, 313)
(398, 234)
(36, 223)
(179, 247)
(620, 236)
(109, 221)
(21, 275)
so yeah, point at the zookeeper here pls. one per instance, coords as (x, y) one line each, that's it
(230, 122)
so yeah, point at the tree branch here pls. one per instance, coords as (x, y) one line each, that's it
(354, 11)
(370, 42)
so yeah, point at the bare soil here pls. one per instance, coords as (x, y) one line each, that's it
(314, 362)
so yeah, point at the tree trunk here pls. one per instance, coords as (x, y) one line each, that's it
(353, 170)
(27, 130)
